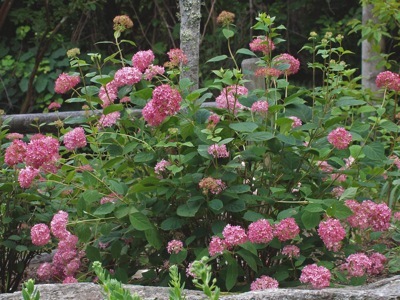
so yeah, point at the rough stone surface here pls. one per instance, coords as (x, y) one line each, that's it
(385, 289)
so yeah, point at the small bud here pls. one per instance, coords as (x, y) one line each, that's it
(74, 52)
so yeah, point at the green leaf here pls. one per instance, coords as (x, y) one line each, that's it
(83, 232)
(238, 189)
(236, 206)
(259, 136)
(374, 151)
(140, 222)
(249, 258)
(153, 237)
(310, 219)
(245, 52)
(349, 101)
(215, 205)
(339, 211)
(104, 209)
(172, 223)
(228, 33)
(92, 253)
(314, 208)
(217, 58)
(21, 248)
(349, 193)
(244, 126)
(143, 157)
(231, 275)
(190, 208)
(91, 196)
(112, 108)
(179, 257)
(89, 179)
(252, 216)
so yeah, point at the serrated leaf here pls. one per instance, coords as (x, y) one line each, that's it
(104, 209)
(310, 219)
(244, 126)
(349, 193)
(140, 222)
(217, 58)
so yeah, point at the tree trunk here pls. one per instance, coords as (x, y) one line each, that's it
(190, 38)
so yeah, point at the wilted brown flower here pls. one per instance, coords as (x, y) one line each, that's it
(225, 18)
(122, 22)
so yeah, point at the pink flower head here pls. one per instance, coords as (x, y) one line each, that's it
(40, 234)
(260, 231)
(359, 218)
(296, 121)
(65, 82)
(177, 57)
(127, 76)
(44, 272)
(212, 185)
(388, 80)
(267, 72)
(152, 115)
(218, 151)
(234, 235)
(286, 59)
(214, 119)
(332, 233)
(112, 197)
(357, 264)
(108, 93)
(161, 166)
(54, 105)
(263, 283)
(369, 214)
(318, 277)
(69, 280)
(337, 191)
(291, 251)
(378, 262)
(286, 229)
(42, 150)
(396, 216)
(189, 271)
(216, 246)
(340, 138)
(14, 136)
(174, 246)
(58, 225)
(262, 44)
(325, 166)
(260, 107)
(15, 153)
(75, 138)
(142, 59)
(229, 98)
(166, 99)
(26, 176)
(109, 119)
(152, 71)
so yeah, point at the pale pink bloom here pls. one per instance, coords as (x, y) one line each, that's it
(260, 231)
(36, 136)
(108, 93)
(291, 251)
(260, 106)
(54, 105)
(15, 153)
(109, 119)
(369, 214)
(26, 176)
(161, 166)
(229, 97)
(285, 58)
(325, 166)
(174, 246)
(234, 235)
(177, 57)
(41, 150)
(112, 197)
(268, 72)
(218, 151)
(167, 99)
(318, 277)
(338, 177)
(44, 271)
(152, 115)
(396, 216)
(337, 191)
(65, 82)
(189, 271)
(286, 229)
(396, 160)
(378, 262)
(14, 136)
(388, 80)
(152, 71)
(340, 138)
(214, 119)
(263, 283)
(70, 279)
(40, 234)
(72, 267)
(349, 162)
(125, 99)
(212, 185)
(58, 225)
(359, 218)
(332, 233)
(357, 264)
(127, 76)
(262, 44)
(216, 246)
(75, 138)
(142, 59)
(296, 122)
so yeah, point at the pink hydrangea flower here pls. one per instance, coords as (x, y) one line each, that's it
(75, 138)
(174, 246)
(325, 166)
(65, 82)
(332, 233)
(318, 277)
(396, 216)
(108, 93)
(26, 176)
(41, 150)
(69, 280)
(369, 214)
(152, 71)
(127, 76)
(263, 283)
(142, 59)
(229, 98)
(337, 191)
(296, 122)
(234, 235)
(58, 225)
(40, 234)
(262, 44)
(260, 231)
(177, 57)
(54, 105)
(260, 106)
(340, 138)
(152, 115)
(15, 153)
(286, 229)
(285, 58)
(214, 119)
(212, 185)
(357, 264)
(14, 136)
(388, 80)
(109, 119)
(291, 251)
(44, 272)
(161, 166)
(267, 72)
(218, 151)
(378, 262)
(112, 197)
(216, 246)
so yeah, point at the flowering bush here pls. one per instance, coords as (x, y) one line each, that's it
(274, 184)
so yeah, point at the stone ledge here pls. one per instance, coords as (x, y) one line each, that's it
(385, 289)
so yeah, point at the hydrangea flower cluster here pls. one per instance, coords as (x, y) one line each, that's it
(359, 264)
(267, 72)
(212, 185)
(234, 235)
(262, 44)
(75, 139)
(260, 107)
(369, 214)
(40, 234)
(263, 283)
(229, 98)
(388, 80)
(260, 231)
(318, 276)
(176, 57)
(332, 233)
(110, 198)
(174, 246)
(213, 120)
(296, 121)
(340, 138)
(65, 82)
(286, 229)
(216, 246)
(108, 120)
(287, 59)
(291, 251)
(142, 60)
(218, 151)
(161, 166)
